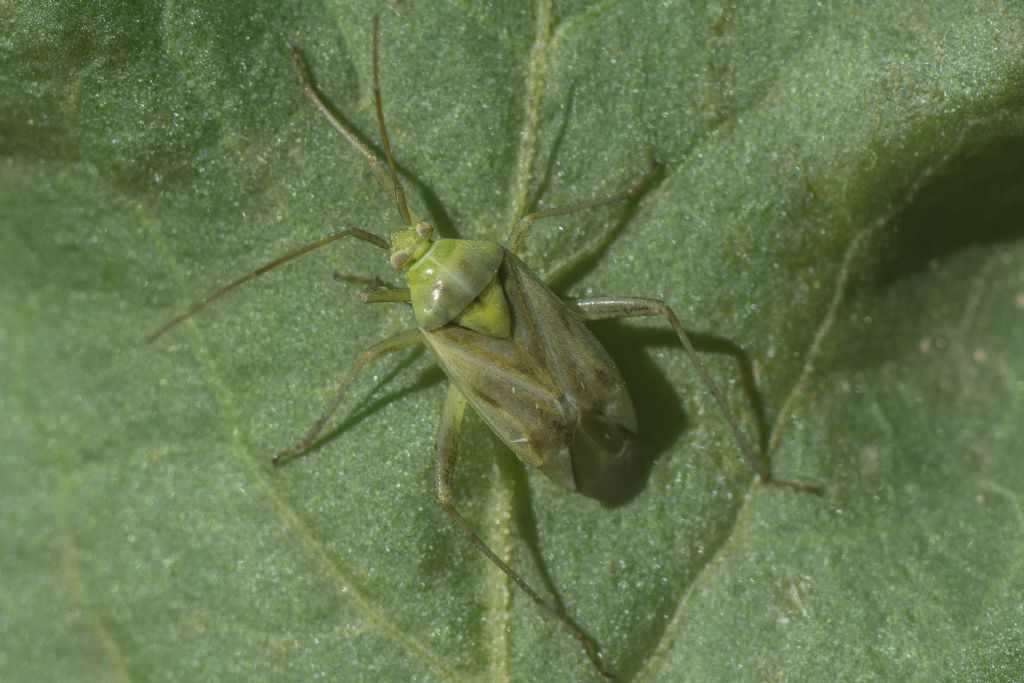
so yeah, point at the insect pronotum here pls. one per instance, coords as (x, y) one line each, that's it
(511, 349)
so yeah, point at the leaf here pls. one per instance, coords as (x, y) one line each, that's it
(841, 200)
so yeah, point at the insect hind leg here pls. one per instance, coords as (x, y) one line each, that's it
(633, 307)
(447, 450)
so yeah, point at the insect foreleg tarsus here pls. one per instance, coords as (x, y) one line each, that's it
(378, 350)
(518, 235)
(447, 450)
(632, 307)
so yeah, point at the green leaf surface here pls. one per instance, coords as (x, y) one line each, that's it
(842, 200)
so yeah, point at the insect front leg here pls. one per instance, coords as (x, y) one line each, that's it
(376, 292)
(632, 307)
(518, 235)
(447, 450)
(384, 295)
(396, 343)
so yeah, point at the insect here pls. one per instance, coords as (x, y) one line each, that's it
(510, 348)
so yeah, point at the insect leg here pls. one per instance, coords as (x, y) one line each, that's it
(631, 307)
(383, 294)
(376, 292)
(447, 450)
(396, 343)
(515, 240)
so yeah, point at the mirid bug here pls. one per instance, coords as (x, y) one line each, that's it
(510, 348)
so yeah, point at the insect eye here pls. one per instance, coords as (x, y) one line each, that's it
(424, 230)
(399, 258)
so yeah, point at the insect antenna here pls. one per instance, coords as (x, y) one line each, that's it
(386, 175)
(279, 261)
(385, 141)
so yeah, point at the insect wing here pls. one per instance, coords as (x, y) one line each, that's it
(533, 388)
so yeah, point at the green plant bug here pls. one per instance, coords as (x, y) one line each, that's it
(510, 348)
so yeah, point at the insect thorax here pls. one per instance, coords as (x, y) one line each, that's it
(456, 282)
